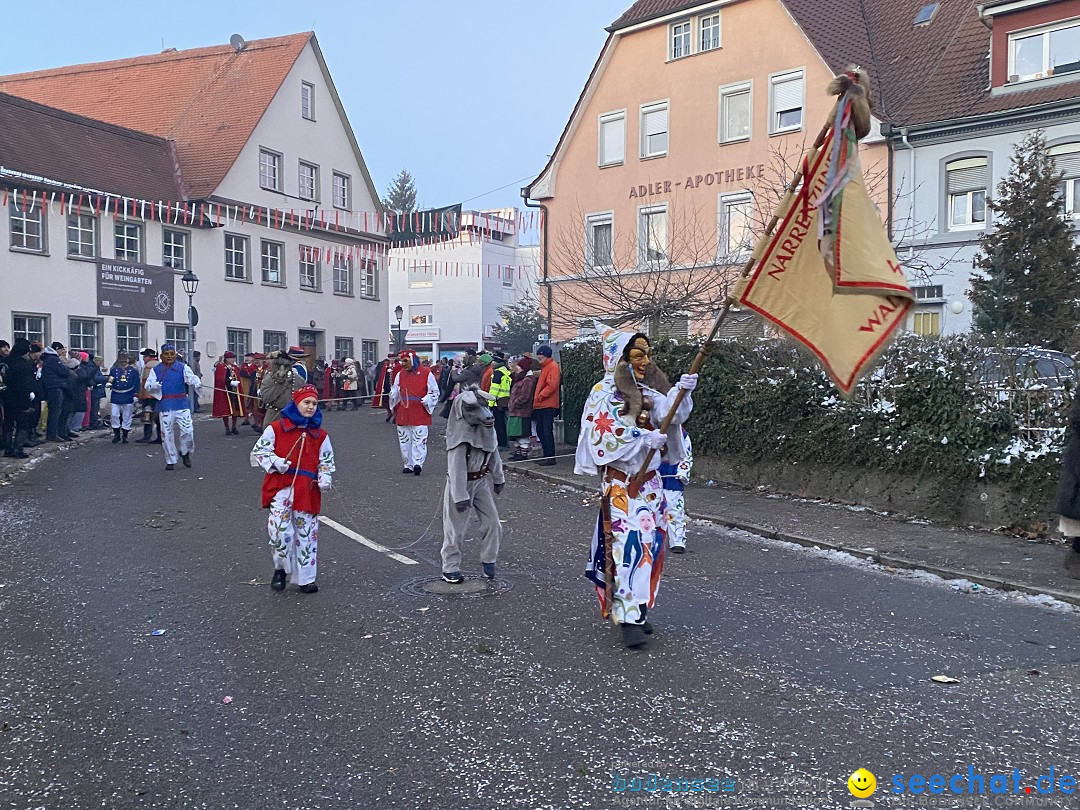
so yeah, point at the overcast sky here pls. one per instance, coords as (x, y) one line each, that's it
(468, 96)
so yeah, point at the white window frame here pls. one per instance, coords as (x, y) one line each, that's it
(169, 248)
(34, 227)
(775, 79)
(368, 276)
(343, 276)
(592, 221)
(310, 268)
(274, 340)
(419, 274)
(272, 263)
(967, 196)
(369, 350)
(26, 332)
(1070, 182)
(77, 227)
(724, 203)
(1045, 32)
(269, 170)
(302, 192)
(726, 92)
(701, 28)
(603, 120)
(245, 253)
(130, 343)
(644, 213)
(238, 341)
(80, 341)
(680, 39)
(342, 201)
(122, 234)
(344, 347)
(307, 101)
(426, 316)
(654, 107)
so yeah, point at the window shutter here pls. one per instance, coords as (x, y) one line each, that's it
(788, 94)
(1069, 163)
(967, 177)
(613, 140)
(656, 121)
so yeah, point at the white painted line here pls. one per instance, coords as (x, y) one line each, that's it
(359, 538)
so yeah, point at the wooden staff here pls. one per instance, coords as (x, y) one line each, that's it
(609, 554)
(635, 483)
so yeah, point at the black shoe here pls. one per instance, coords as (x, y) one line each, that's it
(186, 458)
(278, 582)
(33, 442)
(245, 422)
(68, 437)
(170, 466)
(677, 549)
(417, 470)
(256, 428)
(17, 454)
(489, 570)
(453, 577)
(235, 432)
(116, 436)
(545, 462)
(311, 587)
(633, 635)
(407, 471)
(389, 418)
(124, 439)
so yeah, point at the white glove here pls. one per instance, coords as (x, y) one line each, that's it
(324, 483)
(687, 382)
(655, 439)
(234, 383)
(33, 396)
(281, 464)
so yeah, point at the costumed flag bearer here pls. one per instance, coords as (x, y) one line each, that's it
(618, 429)
(413, 398)
(298, 459)
(122, 384)
(167, 382)
(228, 397)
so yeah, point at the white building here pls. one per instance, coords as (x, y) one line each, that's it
(245, 151)
(450, 292)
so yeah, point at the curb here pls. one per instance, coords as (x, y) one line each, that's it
(809, 542)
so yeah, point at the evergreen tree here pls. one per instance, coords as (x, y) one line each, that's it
(1027, 285)
(522, 324)
(401, 196)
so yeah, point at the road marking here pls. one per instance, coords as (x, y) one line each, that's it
(359, 538)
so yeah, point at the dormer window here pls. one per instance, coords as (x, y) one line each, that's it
(1040, 53)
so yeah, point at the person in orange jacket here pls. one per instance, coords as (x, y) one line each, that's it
(546, 404)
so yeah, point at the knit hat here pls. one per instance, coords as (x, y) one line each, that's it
(83, 356)
(544, 350)
(525, 363)
(305, 392)
(484, 359)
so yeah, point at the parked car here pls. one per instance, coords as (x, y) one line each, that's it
(1029, 368)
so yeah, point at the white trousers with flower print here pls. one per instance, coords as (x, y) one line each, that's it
(294, 539)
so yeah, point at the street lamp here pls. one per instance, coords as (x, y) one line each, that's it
(399, 335)
(191, 284)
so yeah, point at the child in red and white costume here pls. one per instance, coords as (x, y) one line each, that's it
(298, 459)
(413, 398)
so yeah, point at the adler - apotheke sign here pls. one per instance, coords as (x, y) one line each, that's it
(723, 177)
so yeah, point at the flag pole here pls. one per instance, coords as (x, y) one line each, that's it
(634, 485)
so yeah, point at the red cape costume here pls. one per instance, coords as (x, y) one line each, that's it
(383, 380)
(227, 400)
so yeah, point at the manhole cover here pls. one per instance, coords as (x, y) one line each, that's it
(474, 585)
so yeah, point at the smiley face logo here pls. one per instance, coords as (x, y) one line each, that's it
(861, 783)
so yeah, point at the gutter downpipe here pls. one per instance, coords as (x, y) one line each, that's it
(911, 174)
(544, 215)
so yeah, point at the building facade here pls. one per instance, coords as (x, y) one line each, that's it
(451, 292)
(271, 207)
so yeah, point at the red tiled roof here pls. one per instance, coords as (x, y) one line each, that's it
(206, 100)
(59, 146)
(644, 10)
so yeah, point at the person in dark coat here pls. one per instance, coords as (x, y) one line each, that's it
(57, 380)
(18, 399)
(1069, 492)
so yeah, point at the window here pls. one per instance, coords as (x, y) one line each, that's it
(174, 249)
(652, 233)
(710, 32)
(926, 14)
(1067, 160)
(654, 129)
(507, 275)
(309, 268)
(1050, 52)
(932, 292)
(369, 280)
(785, 102)
(309, 181)
(342, 274)
(307, 100)
(177, 335)
(34, 328)
(273, 271)
(967, 180)
(680, 40)
(27, 226)
(369, 351)
(269, 170)
(128, 241)
(926, 321)
(274, 341)
(130, 337)
(735, 105)
(238, 341)
(85, 334)
(735, 237)
(236, 257)
(598, 233)
(420, 314)
(341, 190)
(343, 347)
(419, 274)
(611, 145)
(82, 235)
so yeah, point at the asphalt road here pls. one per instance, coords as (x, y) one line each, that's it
(776, 671)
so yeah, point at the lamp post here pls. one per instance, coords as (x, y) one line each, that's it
(399, 335)
(191, 284)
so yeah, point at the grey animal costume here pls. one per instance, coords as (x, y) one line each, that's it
(278, 385)
(474, 475)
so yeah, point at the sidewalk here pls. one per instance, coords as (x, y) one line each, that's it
(989, 559)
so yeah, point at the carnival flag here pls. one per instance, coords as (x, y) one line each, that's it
(845, 323)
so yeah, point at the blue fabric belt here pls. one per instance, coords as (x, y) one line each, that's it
(305, 473)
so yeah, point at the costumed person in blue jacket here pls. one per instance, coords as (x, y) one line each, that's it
(168, 382)
(123, 385)
(618, 429)
(675, 478)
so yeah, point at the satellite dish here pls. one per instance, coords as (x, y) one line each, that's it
(237, 42)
